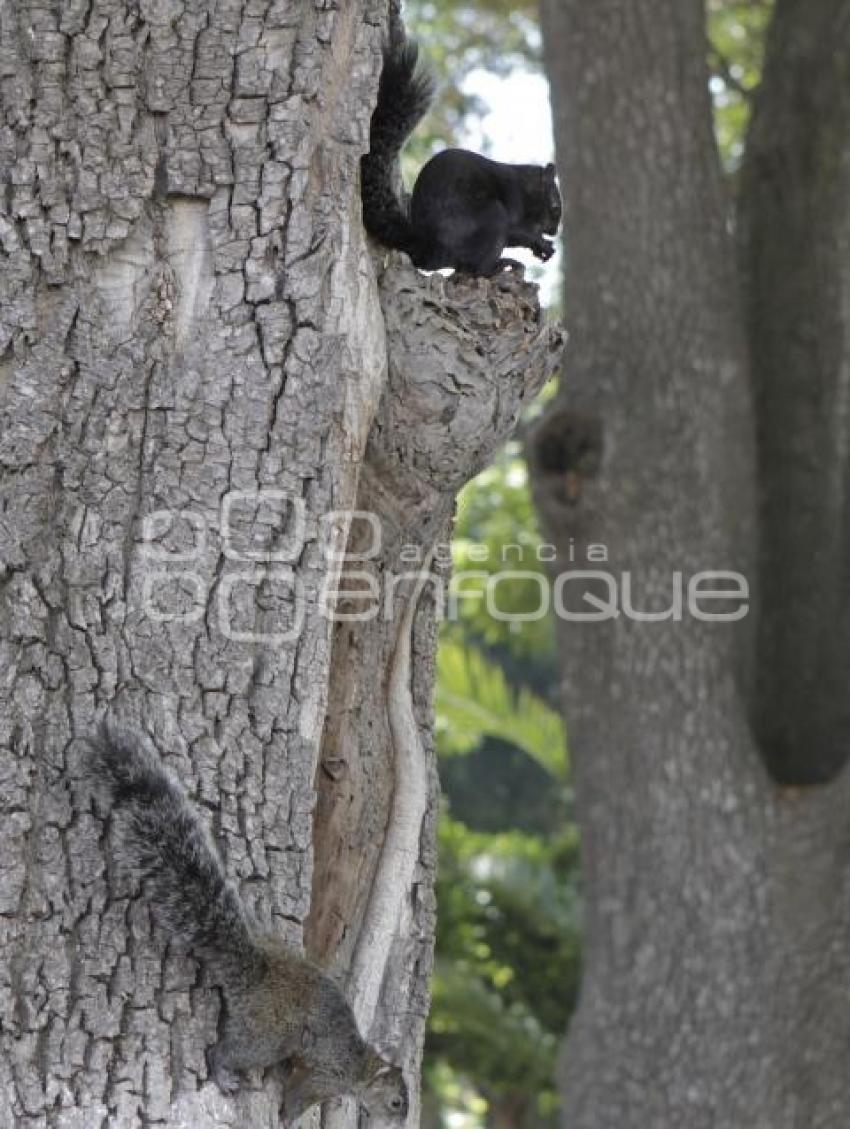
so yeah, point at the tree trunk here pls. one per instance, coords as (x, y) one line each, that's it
(194, 396)
(796, 240)
(715, 986)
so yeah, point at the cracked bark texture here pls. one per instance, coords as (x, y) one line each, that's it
(194, 395)
(701, 425)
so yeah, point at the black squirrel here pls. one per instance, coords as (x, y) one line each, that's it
(464, 209)
(279, 1006)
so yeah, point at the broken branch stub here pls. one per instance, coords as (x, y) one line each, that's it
(466, 356)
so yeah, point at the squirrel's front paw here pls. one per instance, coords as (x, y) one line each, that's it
(544, 250)
(512, 265)
(226, 1080)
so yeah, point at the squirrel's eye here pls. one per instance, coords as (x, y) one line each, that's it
(395, 1103)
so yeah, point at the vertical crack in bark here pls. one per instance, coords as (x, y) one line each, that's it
(390, 890)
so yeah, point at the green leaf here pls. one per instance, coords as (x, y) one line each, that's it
(474, 700)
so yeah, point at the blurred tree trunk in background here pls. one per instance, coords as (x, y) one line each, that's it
(703, 424)
(201, 376)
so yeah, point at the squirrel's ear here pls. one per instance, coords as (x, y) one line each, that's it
(550, 170)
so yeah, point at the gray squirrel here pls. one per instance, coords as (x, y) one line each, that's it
(279, 1006)
(465, 209)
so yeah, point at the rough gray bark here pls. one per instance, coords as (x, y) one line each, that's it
(193, 359)
(716, 985)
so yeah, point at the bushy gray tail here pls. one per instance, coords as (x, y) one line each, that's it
(162, 839)
(404, 94)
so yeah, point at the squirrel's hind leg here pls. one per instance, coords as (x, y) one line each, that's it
(478, 249)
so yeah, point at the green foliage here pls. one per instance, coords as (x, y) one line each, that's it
(457, 39)
(508, 944)
(497, 532)
(494, 35)
(737, 34)
(474, 701)
(518, 794)
(508, 934)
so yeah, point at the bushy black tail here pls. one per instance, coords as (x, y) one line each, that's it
(162, 839)
(404, 94)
